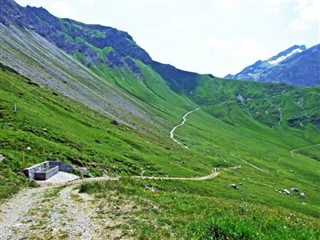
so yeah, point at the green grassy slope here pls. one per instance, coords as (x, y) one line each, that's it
(151, 90)
(115, 91)
(55, 127)
(36, 58)
(269, 132)
(197, 210)
(267, 103)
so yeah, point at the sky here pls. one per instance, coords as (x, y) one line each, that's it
(204, 36)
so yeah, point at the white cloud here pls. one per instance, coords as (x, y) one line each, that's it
(249, 50)
(219, 43)
(174, 27)
(178, 26)
(307, 13)
(226, 4)
(298, 24)
(236, 52)
(272, 10)
(311, 11)
(61, 9)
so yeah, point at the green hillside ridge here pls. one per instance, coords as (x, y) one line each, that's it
(57, 127)
(101, 88)
(268, 103)
(262, 102)
(89, 96)
(105, 148)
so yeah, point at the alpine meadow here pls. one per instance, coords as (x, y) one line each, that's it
(156, 152)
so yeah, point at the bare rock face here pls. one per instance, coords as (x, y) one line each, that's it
(10, 12)
(93, 45)
(115, 59)
(74, 37)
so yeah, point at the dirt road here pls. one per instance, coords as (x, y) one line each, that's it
(184, 120)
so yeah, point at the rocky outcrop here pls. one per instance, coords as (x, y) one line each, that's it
(74, 37)
(89, 42)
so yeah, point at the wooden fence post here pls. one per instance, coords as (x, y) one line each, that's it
(15, 108)
(22, 159)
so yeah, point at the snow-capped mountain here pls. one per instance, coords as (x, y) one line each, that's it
(296, 66)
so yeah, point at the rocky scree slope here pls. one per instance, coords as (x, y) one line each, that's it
(94, 64)
(47, 50)
(35, 58)
(295, 66)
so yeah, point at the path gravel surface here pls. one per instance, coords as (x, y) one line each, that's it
(184, 120)
(15, 211)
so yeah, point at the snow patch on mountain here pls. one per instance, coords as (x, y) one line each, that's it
(281, 58)
(296, 65)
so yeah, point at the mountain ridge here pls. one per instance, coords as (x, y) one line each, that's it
(296, 65)
(97, 44)
(108, 113)
(111, 63)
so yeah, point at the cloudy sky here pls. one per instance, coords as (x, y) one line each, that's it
(205, 36)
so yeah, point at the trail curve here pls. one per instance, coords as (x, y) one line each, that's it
(298, 149)
(184, 119)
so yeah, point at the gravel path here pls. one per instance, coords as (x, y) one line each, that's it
(59, 210)
(76, 218)
(27, 210)
(215, 173)
(49, 211)
(13, 212)
(246, 162)
(184, 119)
(298, 149)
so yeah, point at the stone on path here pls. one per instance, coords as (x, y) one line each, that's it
(1, 157)
(234, 186)
(286, 191)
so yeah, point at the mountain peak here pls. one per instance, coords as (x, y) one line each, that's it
(286, 53)
(91, 41)
(8, 2)
(296, 65)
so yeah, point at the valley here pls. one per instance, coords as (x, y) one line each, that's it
(212, 143)
(162, 153)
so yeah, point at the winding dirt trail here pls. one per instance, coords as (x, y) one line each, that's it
(184, 120)
(61, 213)
(13, 211)
(280, 114)
(246, 162)
(18, 213)
(23, 214)
(215, 173)
(298, 149)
